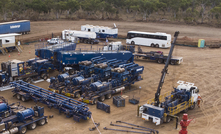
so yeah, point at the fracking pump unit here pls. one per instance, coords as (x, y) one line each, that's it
(98, 77)
(164, 107)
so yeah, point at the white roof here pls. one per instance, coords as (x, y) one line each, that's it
(7, 35)
(13, 22)
(91, 26)
(157, 33)
(17, 61)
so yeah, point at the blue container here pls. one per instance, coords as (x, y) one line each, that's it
(15, 27)
(3, 107)
(119, 101)
(26, 114)
(103, 107)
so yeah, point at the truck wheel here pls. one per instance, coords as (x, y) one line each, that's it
(168, 119)
(71, 71)
(172, 62)
(23, 130)
(95, 101)
(41, 122)
(152, 45)
(92, 42)
(186, 110)
(160, 61)
(23, 99)
(108, 96)
(77, 95)
(192, 106)
(157, 45)
(29, 80)
(132, 43)
(85, 41)
(32, 126)
(45, 77)
(102, 98)
(18, 96)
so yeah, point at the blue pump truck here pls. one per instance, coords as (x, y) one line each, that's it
(22, 26)
(31, 70)
(99, 69)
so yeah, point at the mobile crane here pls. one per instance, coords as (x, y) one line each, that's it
(163, 107)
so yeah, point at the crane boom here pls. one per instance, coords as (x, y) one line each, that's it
(164, 71)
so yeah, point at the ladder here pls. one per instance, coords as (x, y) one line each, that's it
(3, 50)
(19, 48)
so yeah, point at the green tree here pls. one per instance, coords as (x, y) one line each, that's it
(4, 6)
(217, 11)
(147, 7)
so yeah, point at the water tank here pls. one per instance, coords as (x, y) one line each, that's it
(23, 115)
(3, 107)
(62, 77)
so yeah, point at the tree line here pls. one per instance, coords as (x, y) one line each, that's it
(187, 10)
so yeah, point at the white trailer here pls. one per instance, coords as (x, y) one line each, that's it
(82, 36)
(101, 31)
(8, 42)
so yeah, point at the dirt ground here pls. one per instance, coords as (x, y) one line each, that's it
(200, 66)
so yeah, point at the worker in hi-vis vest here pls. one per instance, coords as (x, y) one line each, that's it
(198, 100)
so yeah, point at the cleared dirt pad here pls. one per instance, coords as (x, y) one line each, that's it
(200, 66)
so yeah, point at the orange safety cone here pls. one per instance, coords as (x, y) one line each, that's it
(9, 55)
(29, 51)
(18, 53)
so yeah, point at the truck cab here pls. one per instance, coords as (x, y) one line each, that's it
(189, 87)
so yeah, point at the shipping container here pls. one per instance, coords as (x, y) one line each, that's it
(22, 27)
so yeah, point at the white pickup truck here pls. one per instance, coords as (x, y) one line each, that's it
(53, 41)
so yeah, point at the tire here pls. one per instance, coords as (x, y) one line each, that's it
(102, 98)
(168, 119)
(160, 61)
(95, 101)
(23, 130)
(157, 45)
(45, 77)
(108, 96)
(41, 122)
(23, 99)
(92, 42)
(18, 96)
(77, 95)
(172, 62)
(71, 72)
(42, 75)
(32, 126)
(132, 43)
(85, 41)
(29, 80)
(192, 106)
(152, 45)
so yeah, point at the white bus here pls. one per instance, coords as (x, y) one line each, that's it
(161, 40)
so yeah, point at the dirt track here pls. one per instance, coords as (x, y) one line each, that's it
(200, 66)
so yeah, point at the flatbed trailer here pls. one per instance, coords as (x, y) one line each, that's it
(175, 60)
(72, 108)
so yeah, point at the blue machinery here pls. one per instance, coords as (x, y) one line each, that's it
(92, 84)
(72, 108)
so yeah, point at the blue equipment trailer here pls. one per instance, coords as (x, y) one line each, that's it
(22, 27)
(19, 118)
(72, 108)
(46, 51)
